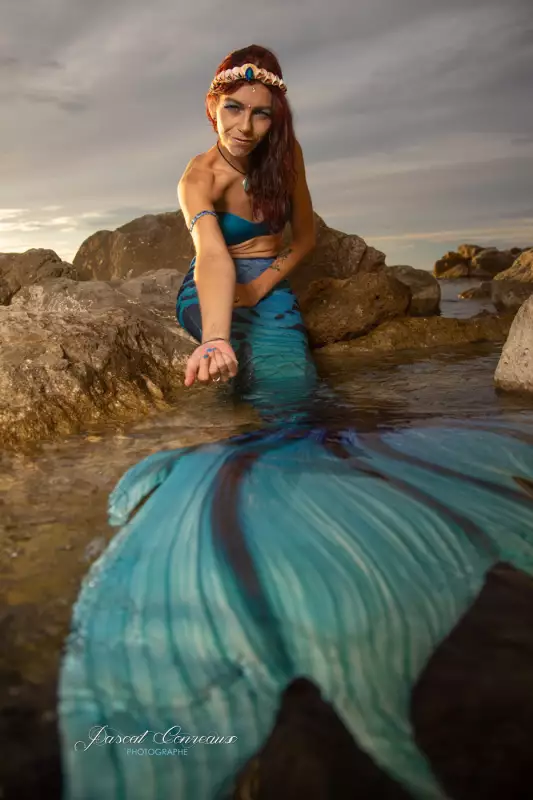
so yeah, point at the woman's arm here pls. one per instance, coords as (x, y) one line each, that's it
(303, 238)
(214, 275)
(214, 272)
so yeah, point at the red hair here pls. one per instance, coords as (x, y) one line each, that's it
(272, 173)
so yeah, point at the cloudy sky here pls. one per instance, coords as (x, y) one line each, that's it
(415, 116)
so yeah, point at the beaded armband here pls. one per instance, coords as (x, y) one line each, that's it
(197, 216)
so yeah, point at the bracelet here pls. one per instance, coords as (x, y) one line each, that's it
(273, 266)
(216, 339)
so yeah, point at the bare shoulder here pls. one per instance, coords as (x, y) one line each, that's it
(196, 194)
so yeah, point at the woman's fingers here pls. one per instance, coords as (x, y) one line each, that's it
(231, 363)
(221, 367)
(203, 368)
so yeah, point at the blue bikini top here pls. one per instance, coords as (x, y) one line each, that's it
(236, 229)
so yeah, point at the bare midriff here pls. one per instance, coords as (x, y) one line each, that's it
(259, 247)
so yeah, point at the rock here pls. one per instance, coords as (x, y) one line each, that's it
(490, 262)
(424, 289)
(481, 292)
(335, 309)
(335, 255)
(76, 353)
(456, 273)
(520, 270)
(33, 266)
(414, 333)
(515, 367)
(508, 294)
(154, 241)
(448, 261)
(468, 251)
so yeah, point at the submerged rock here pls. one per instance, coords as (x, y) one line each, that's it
(515, 367)
(412, 333)
(481, 292)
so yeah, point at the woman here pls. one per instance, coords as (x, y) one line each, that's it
(235, 298)
(306, 565)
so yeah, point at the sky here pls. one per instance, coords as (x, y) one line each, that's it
(415, 116)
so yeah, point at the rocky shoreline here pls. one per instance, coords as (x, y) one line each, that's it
(96, 342)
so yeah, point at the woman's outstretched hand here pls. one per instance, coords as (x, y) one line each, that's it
(212, 361)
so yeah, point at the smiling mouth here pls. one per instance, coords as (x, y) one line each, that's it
(242, 141)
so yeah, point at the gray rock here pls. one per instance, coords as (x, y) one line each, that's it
(515, 367)
(423, 286)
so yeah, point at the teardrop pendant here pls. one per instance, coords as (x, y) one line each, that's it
(246, 183)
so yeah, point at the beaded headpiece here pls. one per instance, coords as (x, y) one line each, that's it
(247, 72)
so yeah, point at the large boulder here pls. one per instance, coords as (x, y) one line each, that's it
(150, 242)
(412, 333)
(335, 255)
(335, 309)
(515, 367)
(78, 353)
(520, 270)
(33, 266)
(423, 286)
(449, 261)
(509, 294)
(490, 262)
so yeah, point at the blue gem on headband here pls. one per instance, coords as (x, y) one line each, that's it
(249, 74)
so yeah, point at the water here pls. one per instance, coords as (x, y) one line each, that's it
(452, 306)
(54, 496)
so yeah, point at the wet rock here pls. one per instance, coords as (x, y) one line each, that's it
(77, 353)
(481, 292)
(509, 294)
(490, 262)
(424, 289)
(415, 333)
(335, 309)
(451, 261)
(520, 270)
(34, 266)
(515, 367)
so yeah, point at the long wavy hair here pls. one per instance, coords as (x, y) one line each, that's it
(272, 173)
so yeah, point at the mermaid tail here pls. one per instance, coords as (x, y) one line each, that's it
(343, 557)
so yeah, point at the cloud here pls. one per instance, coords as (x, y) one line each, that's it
(413, 116)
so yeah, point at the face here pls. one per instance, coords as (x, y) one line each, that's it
(244, 118)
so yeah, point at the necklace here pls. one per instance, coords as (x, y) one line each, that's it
(246, 182)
